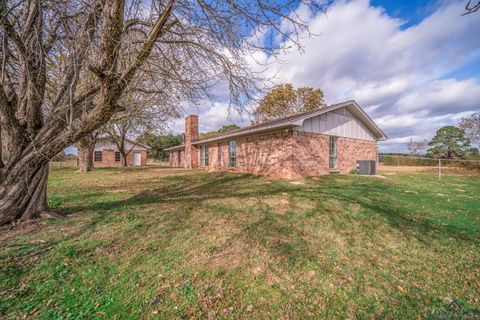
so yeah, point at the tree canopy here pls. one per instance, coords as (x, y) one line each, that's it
(159, 143)
(285, 100)
(449, 142)
(223, 129)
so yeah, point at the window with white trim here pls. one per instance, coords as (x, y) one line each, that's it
(232, 153)
(204, 155)
(117, 156)
(333, 152)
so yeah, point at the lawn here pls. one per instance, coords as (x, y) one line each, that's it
(158, 243)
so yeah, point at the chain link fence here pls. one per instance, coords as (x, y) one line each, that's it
(439, 167)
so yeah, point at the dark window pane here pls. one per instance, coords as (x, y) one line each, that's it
(97, 155)
(219, 154)
(117, 156)
(205, 156)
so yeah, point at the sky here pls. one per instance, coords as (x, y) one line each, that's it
(414, 66)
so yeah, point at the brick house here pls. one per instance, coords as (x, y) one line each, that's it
(106, 153)
(324, 141)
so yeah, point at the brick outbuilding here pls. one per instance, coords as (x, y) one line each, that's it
(106, 153)
(323, 141)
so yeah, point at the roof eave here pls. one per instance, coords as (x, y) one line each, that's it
(175, 148)
(106, 138)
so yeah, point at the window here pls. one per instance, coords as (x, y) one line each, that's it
(219, 154)
(204, 155)
(232, 152)
(333, 151)
(117, 156)
(97, 155)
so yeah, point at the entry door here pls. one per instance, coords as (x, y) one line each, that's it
(137, 159)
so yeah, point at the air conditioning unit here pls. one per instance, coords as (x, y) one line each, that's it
(366, 167)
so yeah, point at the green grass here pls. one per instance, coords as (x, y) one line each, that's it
(161, 243)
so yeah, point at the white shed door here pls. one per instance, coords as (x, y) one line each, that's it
(137, 159)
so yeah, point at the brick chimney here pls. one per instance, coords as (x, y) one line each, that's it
(191, 135)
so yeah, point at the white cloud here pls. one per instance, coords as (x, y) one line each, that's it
(399, 75)
(212, 118)
(442, 96)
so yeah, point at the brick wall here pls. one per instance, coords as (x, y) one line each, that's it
(177, 159)
(268, 154)
(351, 150)
(191, 135)
(289, 154)
(108, 158)
(311, 154)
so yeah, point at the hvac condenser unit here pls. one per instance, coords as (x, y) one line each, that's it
(366, 167)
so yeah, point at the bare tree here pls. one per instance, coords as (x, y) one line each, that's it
(416, 147)
(471, 8)
(471, 126)
(65, 65)
(142, 114)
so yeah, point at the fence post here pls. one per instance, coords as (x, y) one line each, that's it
(439, 169)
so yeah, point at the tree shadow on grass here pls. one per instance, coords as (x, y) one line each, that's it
(189, 191)
(382, 200)
(378, 198)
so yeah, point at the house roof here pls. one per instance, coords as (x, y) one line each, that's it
(141, 145)
(295, 120)
(179, 147)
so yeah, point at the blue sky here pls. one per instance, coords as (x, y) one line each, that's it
(414, 66)
(411, 11)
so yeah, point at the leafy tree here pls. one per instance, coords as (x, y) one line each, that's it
(284, 100)
(158, 144)
(228, 128)
(449, 142)
(223, 129)
(473, 152)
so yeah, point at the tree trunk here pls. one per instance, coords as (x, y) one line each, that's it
(1, 152)
(85, 150)
(23, 193)
(124, 159)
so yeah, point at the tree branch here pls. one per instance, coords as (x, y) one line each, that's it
(157, 31)
(469, 8)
